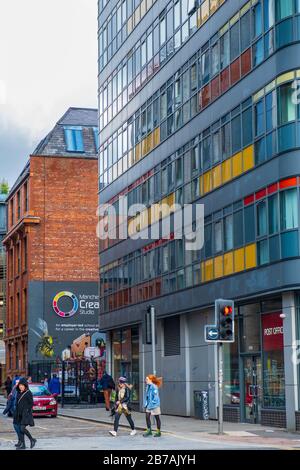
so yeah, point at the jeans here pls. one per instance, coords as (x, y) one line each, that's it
(128, 417)
(17, 429)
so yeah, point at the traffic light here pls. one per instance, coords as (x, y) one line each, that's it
(225, 320)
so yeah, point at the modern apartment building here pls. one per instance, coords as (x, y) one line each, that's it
(52, 247)
(3, 196)
(198, 104)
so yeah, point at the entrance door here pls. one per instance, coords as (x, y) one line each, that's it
(252, 388)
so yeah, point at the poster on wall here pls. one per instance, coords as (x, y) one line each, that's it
(64, 322)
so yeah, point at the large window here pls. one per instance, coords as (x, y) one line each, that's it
(284, 8)
(273, 361)
(289, 209)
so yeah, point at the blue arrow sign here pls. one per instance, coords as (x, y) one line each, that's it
(211, 333)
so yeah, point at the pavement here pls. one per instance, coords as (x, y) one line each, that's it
(87, 428)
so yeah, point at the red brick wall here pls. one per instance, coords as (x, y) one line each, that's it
(63, 193)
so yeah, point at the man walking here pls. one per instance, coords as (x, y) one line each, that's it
(107, 383)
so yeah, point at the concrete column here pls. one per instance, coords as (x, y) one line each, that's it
(187, 365)
(290, 366)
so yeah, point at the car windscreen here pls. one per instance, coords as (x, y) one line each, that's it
(39, 391)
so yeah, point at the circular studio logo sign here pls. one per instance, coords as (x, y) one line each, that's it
(60, 312)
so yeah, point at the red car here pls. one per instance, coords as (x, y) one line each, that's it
(44, 403)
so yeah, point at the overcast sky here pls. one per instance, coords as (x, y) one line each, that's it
(48, 62)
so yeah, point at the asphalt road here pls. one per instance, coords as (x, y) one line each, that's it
(64, 433)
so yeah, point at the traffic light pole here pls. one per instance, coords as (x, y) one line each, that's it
(220, 388)
(153, 339)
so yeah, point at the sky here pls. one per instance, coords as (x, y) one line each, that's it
(48, 63)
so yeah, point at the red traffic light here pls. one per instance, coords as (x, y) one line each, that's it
(227, 310)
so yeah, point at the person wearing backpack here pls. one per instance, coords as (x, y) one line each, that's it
(108, 385)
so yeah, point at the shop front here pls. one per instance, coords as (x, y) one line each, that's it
(254, 376)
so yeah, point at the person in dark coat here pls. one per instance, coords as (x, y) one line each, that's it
(8, 386)
(10, 409)
(23, 413)
(107, 383)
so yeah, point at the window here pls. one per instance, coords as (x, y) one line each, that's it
(235, 41)
(228, 233)
(284, 33)
(74, 139)
(271, 111)
(163, 106)
(208, 240)
(215, 58)
(258, 52)
(261, 219)
(249, 224)
(286, 107)
(245, 31)
(206, 153)
(257, 20)
(205, 67)
(236, 134)
(269, 14)
(218, 237)
(185, 86)
(177, 15)
(225, 135)
(216, 147)
(162, 28)
(247, 127)
(238, 233)
(224, 50)
(259, 118)
(283, 9)
(273, 214)
(288, 209)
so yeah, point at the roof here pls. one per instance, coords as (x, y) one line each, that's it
(54, 143)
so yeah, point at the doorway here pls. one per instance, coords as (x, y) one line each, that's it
(252, 383)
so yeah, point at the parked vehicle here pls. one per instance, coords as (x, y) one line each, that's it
(44, 402)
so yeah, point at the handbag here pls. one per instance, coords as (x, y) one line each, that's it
(113, 396)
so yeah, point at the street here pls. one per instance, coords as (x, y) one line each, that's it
(64, 433)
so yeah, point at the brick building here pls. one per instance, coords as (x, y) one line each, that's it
(51, 244)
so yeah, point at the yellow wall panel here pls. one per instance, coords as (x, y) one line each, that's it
(171, 199)
(207, 182)
(228, 263)
(239, 260)
(218, 262)
(209, 270)
(217, 176)
(144, 147)
(237, 167)
(248, 158)
(156, 136)
(137, 152)
(250, 255)
(203, 272)
(226, 170)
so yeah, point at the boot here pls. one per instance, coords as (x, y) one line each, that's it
(18, 443)
(157, 434)
(21, 446)
(32, 443)
(147, 433)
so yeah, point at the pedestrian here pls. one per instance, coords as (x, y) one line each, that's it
(46, 382)
(152, 404)
(29, 379)
(10, 409)
(54, 385)
(122, 406)
(23, 413)
(16, 377)
(108, 385)
(8, 386)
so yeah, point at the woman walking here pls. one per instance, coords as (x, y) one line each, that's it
(152, 404)
(122, 406)
(23, 414)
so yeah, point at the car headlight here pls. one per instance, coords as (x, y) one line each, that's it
(52, 402)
